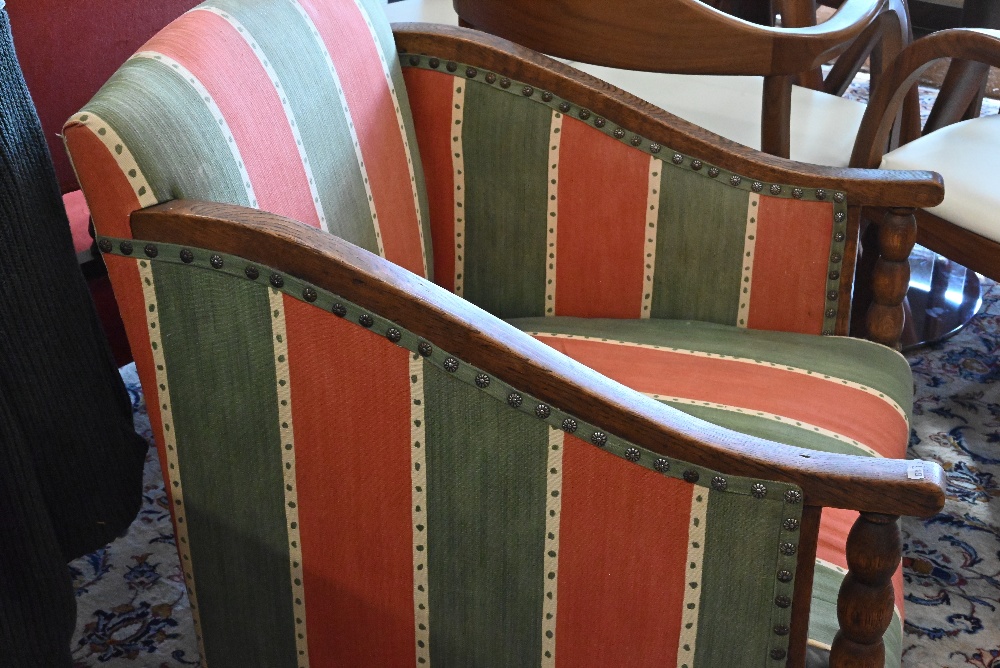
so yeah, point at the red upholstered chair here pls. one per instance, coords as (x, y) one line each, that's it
(67, 50)
(456, 355)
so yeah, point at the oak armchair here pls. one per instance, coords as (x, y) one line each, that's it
(462, 356)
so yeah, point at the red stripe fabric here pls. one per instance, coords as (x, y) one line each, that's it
(602, 196)
(97, 169)
(430, 95)
(236, 80)
(351, 423)
(790, 265)
(356, 55)
(619, 607)
(859, 415)
(98, 172)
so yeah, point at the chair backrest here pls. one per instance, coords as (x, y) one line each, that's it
(216, 107)
(652, 232)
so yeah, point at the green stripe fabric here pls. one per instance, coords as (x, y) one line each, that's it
(823, 615)
(505, 201)
(318, 113)
(387, 45)
(486, 482)
(746, 612)
(151, 93)
(699, 240)
(851, 359)
(223, 394)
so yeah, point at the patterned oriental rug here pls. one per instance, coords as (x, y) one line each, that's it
(133, 610)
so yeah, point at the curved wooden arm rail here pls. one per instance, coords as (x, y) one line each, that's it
(863, 187)
(858, 483)
(710, 42)
(962, 44)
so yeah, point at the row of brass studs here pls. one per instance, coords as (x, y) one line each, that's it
(480, 379)
(620, 133)
(735, 180)
(787, 549)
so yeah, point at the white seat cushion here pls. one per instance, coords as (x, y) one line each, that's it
(967, 155)
(422, 11)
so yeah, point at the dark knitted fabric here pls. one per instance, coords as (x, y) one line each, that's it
(70, 462)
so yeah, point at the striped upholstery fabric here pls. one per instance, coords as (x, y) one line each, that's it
(538, 207)
(406, 510)
(858, 399)
(217, 107)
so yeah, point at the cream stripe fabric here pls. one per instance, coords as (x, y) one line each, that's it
(649, 247)
(213, 108)
(418, 481)
(749, 243)
(347, 114)
(553, 507)
(692, 594)
(552, 213)
(279, 341)
(805, 426)
(458, 174)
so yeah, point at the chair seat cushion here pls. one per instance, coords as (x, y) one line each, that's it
(967, 155)
(834, 394)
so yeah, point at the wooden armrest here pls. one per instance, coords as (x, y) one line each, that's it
(488, 52)
(332, 264)
(680, 36)
(963, 44)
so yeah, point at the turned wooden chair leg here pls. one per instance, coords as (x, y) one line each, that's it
(897, 232)
(864, 606)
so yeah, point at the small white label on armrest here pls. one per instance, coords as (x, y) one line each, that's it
(915, 471)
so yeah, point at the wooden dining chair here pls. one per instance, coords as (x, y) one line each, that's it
(955, 142)
(723, 73)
